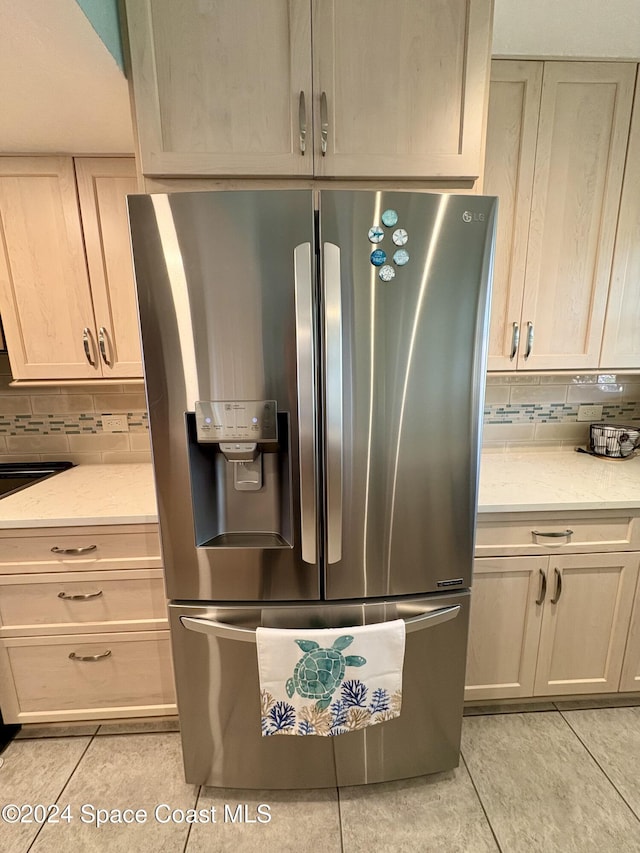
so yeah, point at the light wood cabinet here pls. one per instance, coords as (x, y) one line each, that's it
(585, 623)
(45, 298)
(549, 626)
(504, 632)
(83, 625)
(310, 87)
(630, 676)
(103, 186)
(555, 240)
(60, 316)
(621, 340)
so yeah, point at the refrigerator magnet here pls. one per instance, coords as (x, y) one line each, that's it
(375, 234)
(400, 257)
(378, 257)
(386, 273)
(399, 236)
(389, 218)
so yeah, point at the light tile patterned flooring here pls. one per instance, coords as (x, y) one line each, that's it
(561, 779)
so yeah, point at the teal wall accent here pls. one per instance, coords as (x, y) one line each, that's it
(103, 17)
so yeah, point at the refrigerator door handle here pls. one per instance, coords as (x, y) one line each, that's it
(306, 399)
(333, 398)
(248, 635)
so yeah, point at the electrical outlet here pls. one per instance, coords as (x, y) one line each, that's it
(589, 412)
(115, 423)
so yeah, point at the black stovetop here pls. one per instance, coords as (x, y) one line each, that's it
(19, 475)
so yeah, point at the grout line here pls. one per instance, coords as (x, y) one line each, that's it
(64, 787)
(466, 766)
(600, 767)
(195, 805)
(340, 820)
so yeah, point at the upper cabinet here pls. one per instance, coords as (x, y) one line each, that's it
(225, 88)
(556, 143)
(621, 341)
(62, 320)
(103, 185)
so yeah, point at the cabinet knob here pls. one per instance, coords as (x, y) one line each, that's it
(102, 341)
(74, 551)
(324, 123)
(515, 340)
(91, 658)
(558, 592)
(87, 342)
(527, 352)
(553, 534)
(302, 123)
(79, 596)
(543, 587)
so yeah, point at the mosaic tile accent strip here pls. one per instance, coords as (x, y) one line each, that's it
(66, 424)
(555, 413)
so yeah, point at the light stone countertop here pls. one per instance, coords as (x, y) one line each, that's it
(535, 481)
(531, 481)
(85, 495)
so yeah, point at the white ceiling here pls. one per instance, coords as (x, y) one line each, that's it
(61, 91)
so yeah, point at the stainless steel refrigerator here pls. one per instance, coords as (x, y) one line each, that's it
(314, 366)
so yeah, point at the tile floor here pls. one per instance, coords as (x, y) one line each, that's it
(561, 778)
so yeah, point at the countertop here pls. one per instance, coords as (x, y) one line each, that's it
(85, 495)
(535, 481)
(531, 481)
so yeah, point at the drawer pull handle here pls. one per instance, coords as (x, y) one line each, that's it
(101, 656)
(73, 551)
(556, 597)
(556, 534)
(79, 596)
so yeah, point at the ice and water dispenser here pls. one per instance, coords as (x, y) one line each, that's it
(240, 474)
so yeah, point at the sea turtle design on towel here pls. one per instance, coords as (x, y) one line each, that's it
(319, 671)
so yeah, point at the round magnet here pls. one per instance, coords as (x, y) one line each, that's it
(378, 257)
(386, 273)
(389, 218)
(375, 234)
(400, 257)
(399, 236)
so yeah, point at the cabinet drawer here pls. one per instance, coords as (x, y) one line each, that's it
(520, 533)
(64, 550)
(132, 673)
(44, 604)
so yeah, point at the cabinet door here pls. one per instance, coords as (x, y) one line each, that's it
(505, 627)
(217, 85)
(103, 184)
(405, 86)
(585, 622)
(45, 299)
(621, 340)
(630, 677)
(582, 137)
(512, 126)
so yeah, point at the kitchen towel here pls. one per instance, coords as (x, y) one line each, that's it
(330, 681)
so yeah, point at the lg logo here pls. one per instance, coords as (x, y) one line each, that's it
(467, 216)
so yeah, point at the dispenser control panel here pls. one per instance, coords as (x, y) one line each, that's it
(236, 420)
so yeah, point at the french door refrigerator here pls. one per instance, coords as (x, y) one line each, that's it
(314, 367)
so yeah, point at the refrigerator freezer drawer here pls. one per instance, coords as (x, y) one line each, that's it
(219, 696)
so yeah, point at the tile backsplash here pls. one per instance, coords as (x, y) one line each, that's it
(64, 422)
(542, 411)
(521, 411)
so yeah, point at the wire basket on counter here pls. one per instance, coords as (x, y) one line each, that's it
(615, 441)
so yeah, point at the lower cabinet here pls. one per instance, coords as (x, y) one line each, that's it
(552, 625)
(83, 625)
(630, 678)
